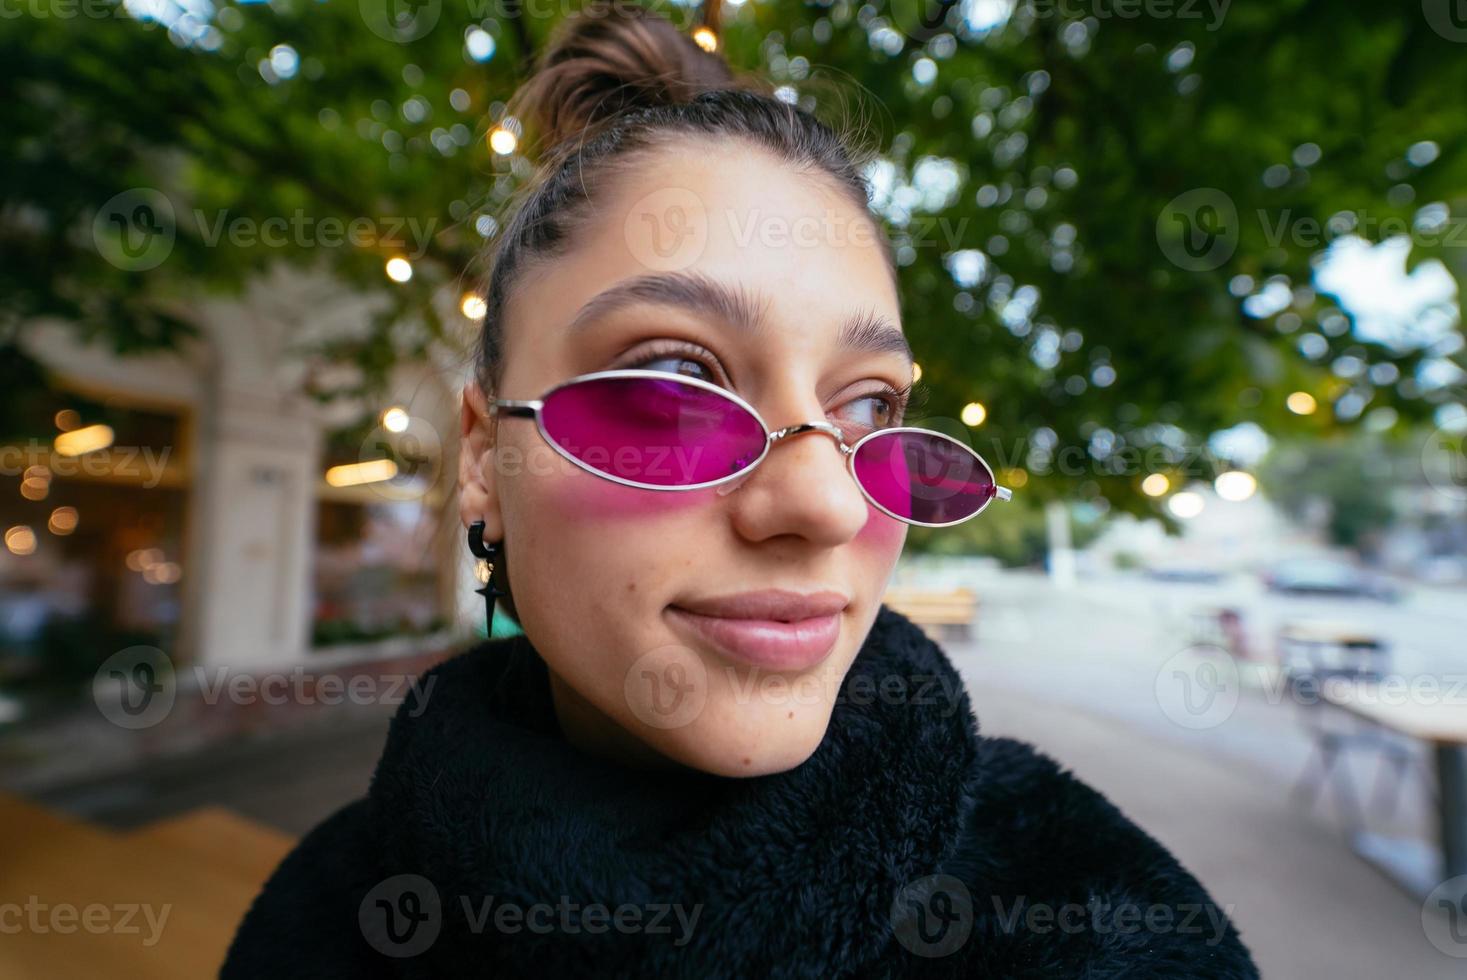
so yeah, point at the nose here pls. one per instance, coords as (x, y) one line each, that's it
(802, 487)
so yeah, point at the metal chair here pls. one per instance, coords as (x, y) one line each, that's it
(1313, 655)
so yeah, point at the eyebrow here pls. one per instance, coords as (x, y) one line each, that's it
(743, 310)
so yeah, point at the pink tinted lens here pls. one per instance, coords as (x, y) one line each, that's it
(923, 477)
(664, 433)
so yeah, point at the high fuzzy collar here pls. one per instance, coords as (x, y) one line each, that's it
(791, 873)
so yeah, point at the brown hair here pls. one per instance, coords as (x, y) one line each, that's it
(614, 82)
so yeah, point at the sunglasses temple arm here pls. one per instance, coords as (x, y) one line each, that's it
(1003, 493)
(514, 407)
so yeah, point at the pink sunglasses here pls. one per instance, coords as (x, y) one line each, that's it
(662, 431)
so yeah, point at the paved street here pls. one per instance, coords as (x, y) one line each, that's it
(1088, 674)
(1091, 676)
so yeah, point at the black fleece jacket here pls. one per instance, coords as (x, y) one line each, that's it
(906, 845)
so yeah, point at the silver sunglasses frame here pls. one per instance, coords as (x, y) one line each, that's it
(531, 408)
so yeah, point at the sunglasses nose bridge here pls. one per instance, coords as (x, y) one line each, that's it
(794, 430)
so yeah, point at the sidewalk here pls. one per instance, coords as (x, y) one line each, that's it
(1305, 905)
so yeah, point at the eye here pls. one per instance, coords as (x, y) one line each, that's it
(678, 358)
(876, 410)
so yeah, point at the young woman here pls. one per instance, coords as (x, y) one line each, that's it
(712, 752)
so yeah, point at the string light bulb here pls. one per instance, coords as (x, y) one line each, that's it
(399, 269)
(706, 39)
(473, 306)
(503, 140)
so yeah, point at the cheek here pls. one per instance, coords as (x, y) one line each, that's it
(579, 497)
(883, 536)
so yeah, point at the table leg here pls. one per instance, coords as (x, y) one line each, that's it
(1451, 769)
(1421, 866)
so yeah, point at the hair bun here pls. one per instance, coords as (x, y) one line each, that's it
(609, 57)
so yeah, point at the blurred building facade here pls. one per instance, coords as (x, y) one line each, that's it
(182, 500)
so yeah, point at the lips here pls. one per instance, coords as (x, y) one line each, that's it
(774, 628)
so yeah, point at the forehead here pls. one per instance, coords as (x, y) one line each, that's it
(789, 250)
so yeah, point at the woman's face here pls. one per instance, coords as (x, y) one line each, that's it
(597, 568)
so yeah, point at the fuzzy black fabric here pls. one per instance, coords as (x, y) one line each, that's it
(906, 845)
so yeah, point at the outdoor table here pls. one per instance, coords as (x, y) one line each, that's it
(1321, 643)
(1442, 723)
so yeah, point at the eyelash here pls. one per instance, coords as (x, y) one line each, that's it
(900, 400)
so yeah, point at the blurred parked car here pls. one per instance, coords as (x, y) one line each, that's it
(1184, 573)
(1326, 576)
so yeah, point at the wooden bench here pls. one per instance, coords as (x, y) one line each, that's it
(942, 615)
(85, 893)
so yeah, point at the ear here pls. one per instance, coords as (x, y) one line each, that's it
(478, 491)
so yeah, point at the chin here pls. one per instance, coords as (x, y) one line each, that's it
(753, 749)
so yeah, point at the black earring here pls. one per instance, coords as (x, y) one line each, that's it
(484, 572)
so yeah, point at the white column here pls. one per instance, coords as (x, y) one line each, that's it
(254, 527)
(1061, 554)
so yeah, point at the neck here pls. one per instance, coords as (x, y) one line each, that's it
(592, 731)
